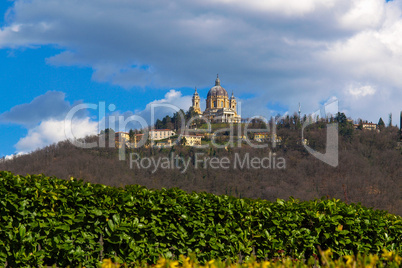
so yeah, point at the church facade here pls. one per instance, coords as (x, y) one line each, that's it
(220, 108)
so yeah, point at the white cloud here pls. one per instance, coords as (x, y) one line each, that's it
(52, 131)
(173, 97)
(11, 156)
(363, 14)
(361, 91)
(370, 55)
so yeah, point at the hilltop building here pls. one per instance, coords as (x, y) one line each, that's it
(220, 108)
(124, 139)
(160, 134)
(192, 140)
(367, 126)
(263, 136)
(121, 138)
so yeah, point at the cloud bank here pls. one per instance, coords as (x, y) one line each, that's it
(302, 51)
(51, 105)
(44, 118)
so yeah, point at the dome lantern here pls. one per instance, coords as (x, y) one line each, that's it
(217, 81)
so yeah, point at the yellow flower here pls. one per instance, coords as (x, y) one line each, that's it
(327, 253)
(350, 259)
(387, 254)
(186, 261)
(174, 264)
(266, 264)
(211, 264)
(398, 259)
(107, 263)
(373, 260)
(161, 263)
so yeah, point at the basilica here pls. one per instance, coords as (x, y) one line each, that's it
(220, 108)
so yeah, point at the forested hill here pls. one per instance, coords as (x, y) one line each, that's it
(369, 169)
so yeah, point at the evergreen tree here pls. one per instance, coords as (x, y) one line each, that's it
(177, 119)
(390, 120)
(341, 118)
(345, 127)
(131, 134)
(191, 113)
(158, 124)
(166, 122)
(360, 125)
(381, 124)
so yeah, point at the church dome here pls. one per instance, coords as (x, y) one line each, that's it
(217, 90)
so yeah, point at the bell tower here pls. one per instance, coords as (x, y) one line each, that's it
(196, 102)
(233, 103)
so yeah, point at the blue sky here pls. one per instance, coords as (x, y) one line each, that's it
(57, 54)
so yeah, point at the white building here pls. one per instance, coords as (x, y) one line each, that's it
(160, 134)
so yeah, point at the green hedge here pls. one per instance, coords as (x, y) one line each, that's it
(45, 221)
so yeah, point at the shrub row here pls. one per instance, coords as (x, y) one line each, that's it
(45, 221)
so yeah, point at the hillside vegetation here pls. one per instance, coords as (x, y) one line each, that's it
(369, 169)
(46, 221)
